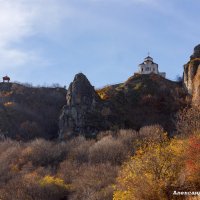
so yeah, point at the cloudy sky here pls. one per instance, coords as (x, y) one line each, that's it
(49, 41)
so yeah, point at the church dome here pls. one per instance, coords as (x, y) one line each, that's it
(148, 58)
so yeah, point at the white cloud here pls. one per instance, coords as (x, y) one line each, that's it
(15, 25)
(20, 20)
(14, 22)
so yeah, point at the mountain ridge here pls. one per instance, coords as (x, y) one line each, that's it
(28, 112)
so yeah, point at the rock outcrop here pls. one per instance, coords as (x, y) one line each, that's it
(192, 76)
(84, 112)
(142, 100)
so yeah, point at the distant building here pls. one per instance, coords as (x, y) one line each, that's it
(6, 78)
(148, 67)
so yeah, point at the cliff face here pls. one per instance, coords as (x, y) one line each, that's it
(81, 92)
(142, 100)
(192, 76)
(84, 110)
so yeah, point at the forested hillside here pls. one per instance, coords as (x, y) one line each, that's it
(28, 112)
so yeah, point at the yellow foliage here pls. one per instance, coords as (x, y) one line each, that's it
(138, 86)
(122, 195)
(103, 93)
(154, 167)
(51, 180)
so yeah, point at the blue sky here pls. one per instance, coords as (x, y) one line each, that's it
(49, 41)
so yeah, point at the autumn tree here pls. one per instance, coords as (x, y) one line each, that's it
(193, 161)
(153, 172)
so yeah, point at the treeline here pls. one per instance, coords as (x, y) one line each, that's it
(44, 85)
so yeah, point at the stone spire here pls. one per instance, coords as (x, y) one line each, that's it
(82, 112)
(81, 92)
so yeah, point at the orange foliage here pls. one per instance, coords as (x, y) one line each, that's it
(193, 158)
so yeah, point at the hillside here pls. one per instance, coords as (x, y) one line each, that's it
(123, 149)
(27, 112)
(141, 100)
(146, 100)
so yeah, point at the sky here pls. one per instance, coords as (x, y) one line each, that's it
(49, 41)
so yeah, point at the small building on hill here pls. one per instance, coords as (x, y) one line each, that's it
(148, 67)
(6, 79)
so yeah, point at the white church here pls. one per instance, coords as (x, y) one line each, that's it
(148, 67)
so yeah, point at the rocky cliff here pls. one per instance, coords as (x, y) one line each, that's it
(141, 100)
(192, 76)
(84, 112)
